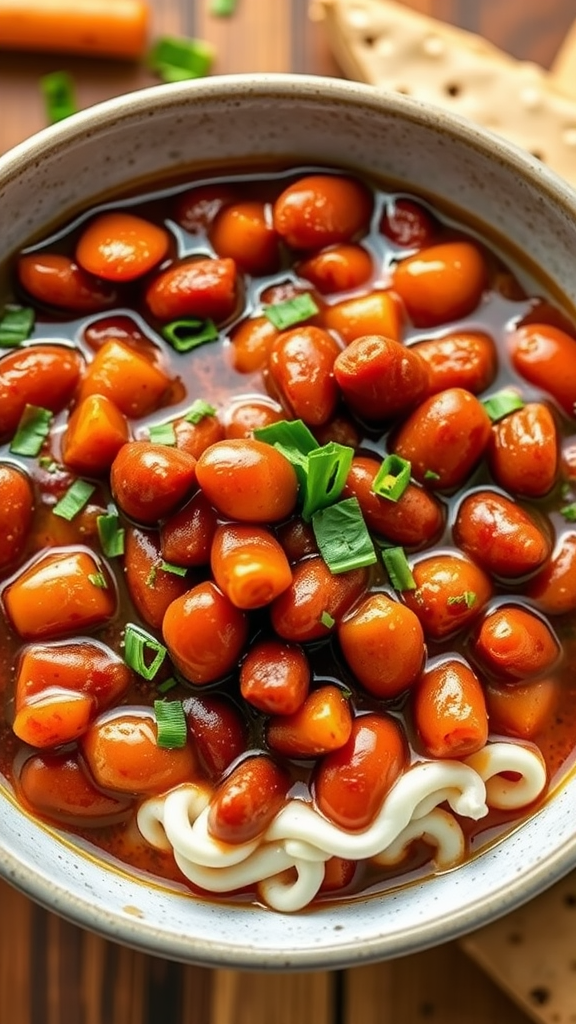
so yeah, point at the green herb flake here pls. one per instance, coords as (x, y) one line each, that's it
(74, 500)
(111, 534)
(502, 404)
(176, 58)
(199, 410)
(151, 577)
(59, 96)
(342, 536)
(167, 685)
(172, 730)
(327, 620)
(162, 433)
(16, 326)
(398, 569)
(326, 473)
(292, 311)
(32, 431)
(98, 579)
(468, 598)
(142, 652)
(431, 475)
(569, 512)
(392, 478)
(185, 335)
(222, 8)
(175, 570)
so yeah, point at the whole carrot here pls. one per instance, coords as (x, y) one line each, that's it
(99, 28)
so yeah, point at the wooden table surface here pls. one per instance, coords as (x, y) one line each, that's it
(52, 972)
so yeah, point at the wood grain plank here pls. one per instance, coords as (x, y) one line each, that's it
(257, 38)
(16, 940)
(272, 998)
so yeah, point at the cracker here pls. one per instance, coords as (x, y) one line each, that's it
(389, 45)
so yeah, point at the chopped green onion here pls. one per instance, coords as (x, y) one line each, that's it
(327, 620)
(142, 651)
(32, 431)
(162, 433)
(198, 410)
(294, 440)
(47, 463)
(59, 99)
(292, 311)
(326, 474)
(76, 497)
(16, 325)
(168, 684)
(569, 512)
(176, 570)
(172, 730)
(392, 478)
(175, 58)
(222, 8)
(342, 536)
(398, 570)
(151, 577)
(111, 534)
(184, 335)
(502, 404)
(468, 597)
(431, 474)
(98, 579)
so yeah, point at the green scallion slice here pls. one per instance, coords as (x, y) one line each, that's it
(294, 440)
(327, 620)
(176, 58)
(398, 569)
(142, 651)
(16, 326)
(32, 431)
(171, 725)
(392, 478)
(292, 311)
(468, 597)
(76, 497)
(326, 474)
(167, 685)
(222, 8)
(569, 512)
(176, 570)
(502, 404)
(199, 410)
(342, 536)
(185, 335)
(431, 475)
(162, 433)
(111, 534)
(98, 579)
(59, 98)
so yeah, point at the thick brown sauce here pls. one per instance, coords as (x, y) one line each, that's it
(208, 373)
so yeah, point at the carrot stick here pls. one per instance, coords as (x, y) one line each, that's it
(100, 28)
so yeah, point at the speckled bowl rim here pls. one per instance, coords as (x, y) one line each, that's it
(318, 941)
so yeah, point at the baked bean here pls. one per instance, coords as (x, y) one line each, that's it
(351, 783)
(515, 643)
(244, 232)
(378, 313)
(444, 438)
(243, 417)
(151, 587)
(56, 280)
(407, 223)
(339, 268)
(275, 677)
(450, 592)
(204, 611)
(251, 342)
(298, 613)
(521, 710)
(502, 537)
(301, 364)
(297, 538)
(415, 520)
(204, 288)
(464, 359)
(523, 451)
(449, 711)
(546, 357)
(196, 208)
(195, 437)
(186, 536)
(217, 728)
(56, 786)
(441, 283)
(41, 375)
(248, 480)
(16, 511)
(249, 565)
(380, 378)
(383, 645)
(117, 246)
(248, 799)
(322, 209)
(149, 481)
(323, 723)
(553, 588)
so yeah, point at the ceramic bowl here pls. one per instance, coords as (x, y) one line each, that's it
(158, 131)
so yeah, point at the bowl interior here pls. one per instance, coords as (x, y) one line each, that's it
(234, 121)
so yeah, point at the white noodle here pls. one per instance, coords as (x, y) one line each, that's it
(287, 862)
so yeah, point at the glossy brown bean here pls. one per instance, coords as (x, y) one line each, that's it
(151, 587)
(249, 565)
(248, 480)
(351, 783)
(322, 723)
(149, 481)
(546, 356)
(379, 378)
(297, 614)
(57, 787)
(502, 537)
(444, 438)
(41, 375)
(450, 593)
(301, 365)
(242, 417)
(251, 342)
(275, 677)
(244, 232)
(523, 451)
(203, 288)
(322, 209)
(441, 283)
(338, 268)
(383, 645)
(186, 536)
(56, 280)
(16, 512)
(406, 223)
(195, 438)
(297, 538)
(415, 520)
(463, 359)
(553, 588)
(218, 729)
(449, 711)
(204, 633)
(522, 710)
(248, 800)
(378, 312)
(515, 643)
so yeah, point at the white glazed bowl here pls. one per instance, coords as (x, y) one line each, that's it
(325, 121)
